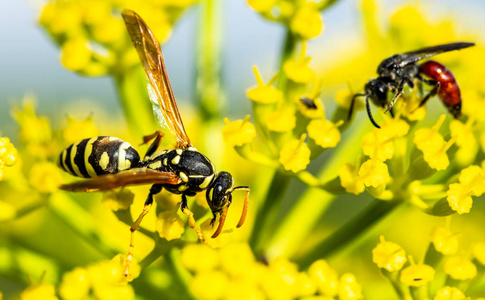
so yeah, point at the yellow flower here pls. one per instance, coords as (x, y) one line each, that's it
(262, 6)
(170, 225)
(298, 70)
(307, 21)
(450, 293)
(239, 132)
(373, 173)
(76, 54)
(8, 154)
(349, 288)
(460, 268)
(389, 255)
(377, 146)
(314, 111)
(216, 280)
(324, 277)
(45, 177)
(344, 98)
(459, 198)
(236, 259)
(39, 291)
(295, 155)
(75, 284)
(78, 130)
(445, 241)
(264, 93)
(417, 274)
(473, 177)
(478, 250)
(199, 257)
(304, 285)
(32, 128)
(281, 120)
(350, 180)
(433, 146)
(324, 133)
(116, 200)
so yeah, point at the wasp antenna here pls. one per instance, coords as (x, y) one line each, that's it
(221, 222)
(352, 102)
(245, 207)
(367, 106)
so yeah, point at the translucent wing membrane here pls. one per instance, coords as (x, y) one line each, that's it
(133, 177)
(159, 89)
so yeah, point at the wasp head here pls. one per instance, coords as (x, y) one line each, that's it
(219, 198)
(377, 90)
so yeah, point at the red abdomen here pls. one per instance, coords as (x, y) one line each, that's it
(449, 92)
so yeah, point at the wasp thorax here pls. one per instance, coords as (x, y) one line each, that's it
(219, 191)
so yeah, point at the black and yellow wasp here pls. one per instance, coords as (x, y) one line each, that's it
(111, 162)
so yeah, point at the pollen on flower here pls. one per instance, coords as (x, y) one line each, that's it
(264, 93)
(373, 173)
(460, 268)
(281, 120)
(417, 274)
(8, 154)
(298, 70)
(295, 155)
(450, 293)
(349, 288)
(170, 225)
(45, 177)
(307, 21)
(239, 132)
(445, 241)
(350, 180)
(325, 278)
(116, 200)
(77, 130)
(324, 133)
(389, 255)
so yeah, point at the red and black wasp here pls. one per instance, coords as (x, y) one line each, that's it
(400, 69)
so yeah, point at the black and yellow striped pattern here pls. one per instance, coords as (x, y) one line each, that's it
(98, 156)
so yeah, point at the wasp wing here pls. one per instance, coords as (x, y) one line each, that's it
(159, 88)
(417, 55)
(132, 177)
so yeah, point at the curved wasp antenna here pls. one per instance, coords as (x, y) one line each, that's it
(221, 221)
(224, 213)
(367, 106)
(352, 102)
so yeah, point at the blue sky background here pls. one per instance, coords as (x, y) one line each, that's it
(29, 61)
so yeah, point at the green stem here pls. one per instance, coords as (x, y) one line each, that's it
(288, 52)
(267, 214)
(209, 94)
(133, 95)
(350, 231)
(162, 247)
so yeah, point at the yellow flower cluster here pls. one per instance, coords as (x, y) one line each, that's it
(301, 17)
(92, 35)
(233, 273)
(102, 280)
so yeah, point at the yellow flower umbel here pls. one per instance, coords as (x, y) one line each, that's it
(239, 132)
(307, 21)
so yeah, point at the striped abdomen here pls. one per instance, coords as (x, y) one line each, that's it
(98, 156)
(448, 91)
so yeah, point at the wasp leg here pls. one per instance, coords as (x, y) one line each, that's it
(158, 135)
(185, 209)
(367, 107)
(352, 102)
(399, 91)
(433, 92)
(155, 189)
